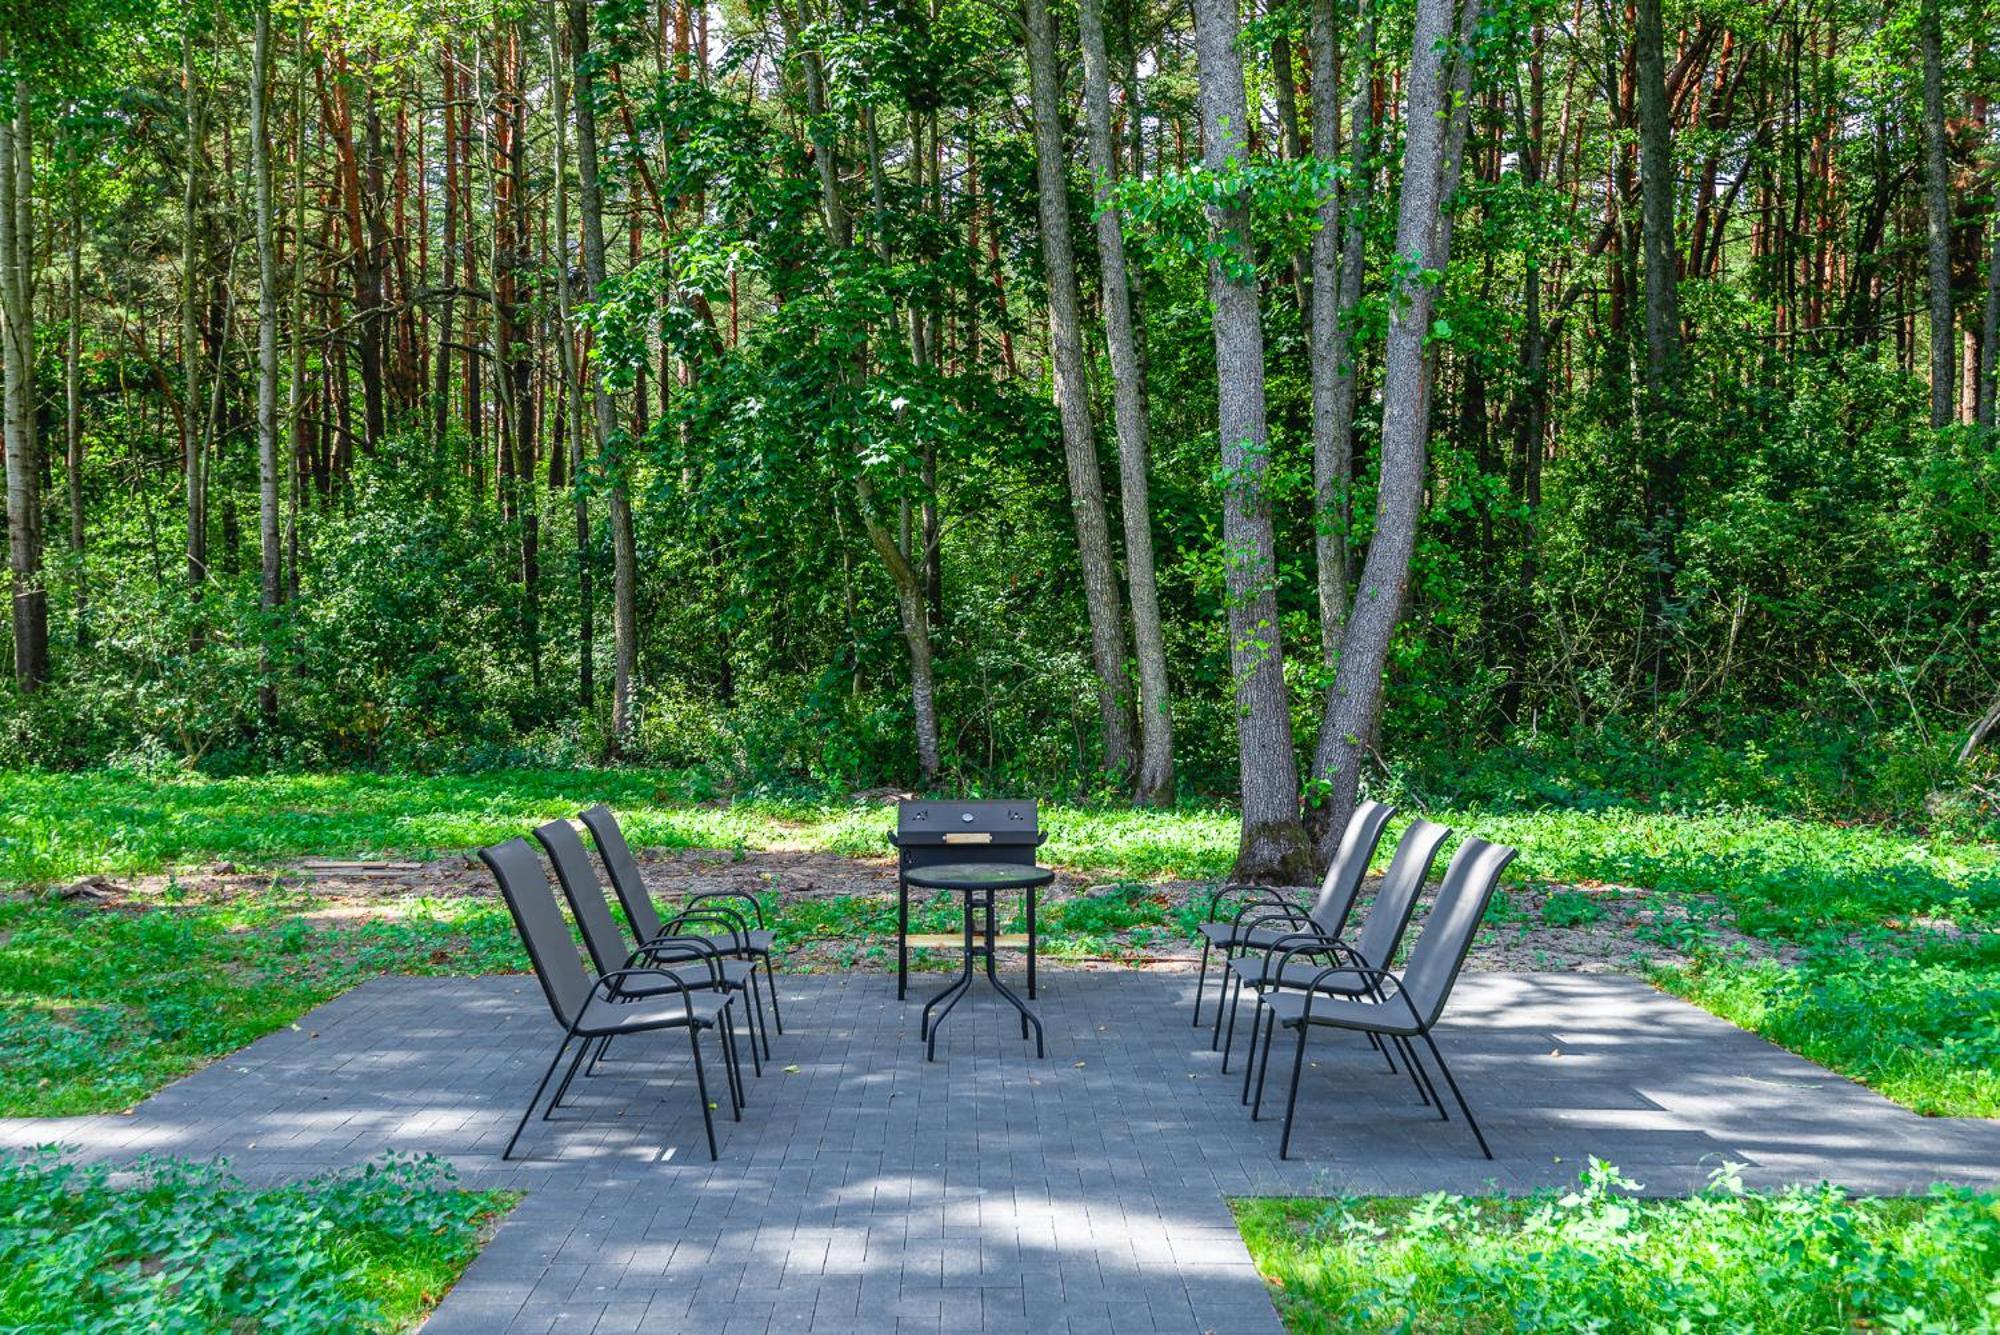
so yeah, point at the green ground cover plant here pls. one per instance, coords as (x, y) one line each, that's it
(186, 1246)
(1598, 1258)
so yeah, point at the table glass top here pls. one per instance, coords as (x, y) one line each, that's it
(978, 876)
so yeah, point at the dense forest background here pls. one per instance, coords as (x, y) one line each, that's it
(1113, 398)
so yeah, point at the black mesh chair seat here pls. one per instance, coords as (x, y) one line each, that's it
(648, 1007)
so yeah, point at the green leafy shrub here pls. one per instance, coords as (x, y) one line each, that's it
(186, 1246)
(1805, 1260)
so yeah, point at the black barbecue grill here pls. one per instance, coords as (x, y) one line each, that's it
(930, 834)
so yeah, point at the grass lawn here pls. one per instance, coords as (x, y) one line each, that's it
(1797, 1262)
(187, 1247)
(1899, 933)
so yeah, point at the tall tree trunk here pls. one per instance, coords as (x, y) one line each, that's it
(1072, 393)
(271, 588)
(1989, 339)
(193, 446)
(1337, 261)
(1658, 428)
(1937, 209)
(441, 403)
(17, 328)
(1155, 780)
(586, 631)
(624, 553)
(1338, 257)
(1273, 846)
(1379, 598)
(73, 409)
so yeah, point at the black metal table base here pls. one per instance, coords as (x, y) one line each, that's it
(979, 945)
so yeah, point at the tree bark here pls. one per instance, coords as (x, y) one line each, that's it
(193, 446)
(271, 587)
(1358, 684)
(1338, 260)
(1937, 210)
(1072, 394)
(17, 330)
(624, 553)
(1273, 846)
(1155, 780)
(572, 402)
(1989, 339)
(73, 411)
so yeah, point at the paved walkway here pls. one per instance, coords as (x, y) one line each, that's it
(867, 1191)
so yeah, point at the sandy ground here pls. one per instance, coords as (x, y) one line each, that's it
(1627, 928)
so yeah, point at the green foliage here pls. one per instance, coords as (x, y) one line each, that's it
(185, 1246)
(1922, 1028)
(1599, 1258)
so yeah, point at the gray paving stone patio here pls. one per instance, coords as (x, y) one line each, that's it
(867, 1191)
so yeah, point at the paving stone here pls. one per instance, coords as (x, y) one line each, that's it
(872, 1191)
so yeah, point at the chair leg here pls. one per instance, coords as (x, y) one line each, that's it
(603, 1046)
(1438, 1057)
(1427, 1093)
(771, 976)
(529, 1111)
(701, 1090)
(1264, 1067)
(1292, 1099)
(1215, 1036)
(1229, 1038)
(1250, 1053)
(760, 1020)
(1201, 979)
(568, 1076)
(731, 1064)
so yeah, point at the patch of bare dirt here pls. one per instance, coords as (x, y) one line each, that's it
(1589, 928)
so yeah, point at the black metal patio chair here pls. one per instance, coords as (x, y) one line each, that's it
(590, 1008)
(738, 939)
(1306, 953)
(609, 950)
(1399, 1005)
(1275, 911)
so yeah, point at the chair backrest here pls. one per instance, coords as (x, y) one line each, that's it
(525, 887)
(585, 894)
(633, 896)
(1461, 902)
(1389, 915)
(1350, 866)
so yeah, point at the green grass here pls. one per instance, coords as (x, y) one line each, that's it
(99, 1008)
(186, 1246)
(1797, 1262)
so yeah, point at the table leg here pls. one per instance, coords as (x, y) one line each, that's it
(1031, 945)
(902, 932)
(928, 1029)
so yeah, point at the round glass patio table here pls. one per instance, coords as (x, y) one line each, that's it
(980, 883)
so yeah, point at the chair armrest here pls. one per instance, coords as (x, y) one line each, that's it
(616, 990)
(756, 907)
(690, 947)
(1374, 978)
(1265, 895)
(1305, 943)
(730, 922)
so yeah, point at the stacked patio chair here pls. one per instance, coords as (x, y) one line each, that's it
(1263, 915)
(1294, 958)
(609, 949)
(733, 932)
(1358, 992)
(684, 994)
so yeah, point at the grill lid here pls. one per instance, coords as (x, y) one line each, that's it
(928, 822)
